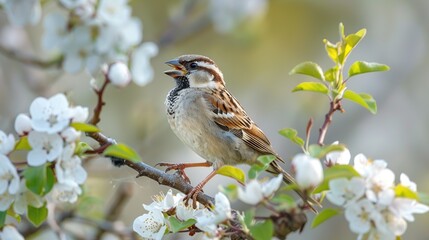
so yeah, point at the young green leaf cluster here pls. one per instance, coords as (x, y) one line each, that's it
(332, 82)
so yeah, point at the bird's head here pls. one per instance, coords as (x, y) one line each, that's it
(199, 71)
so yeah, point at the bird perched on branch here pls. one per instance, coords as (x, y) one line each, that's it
(210, 120)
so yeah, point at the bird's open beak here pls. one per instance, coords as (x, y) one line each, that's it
(174, 73)
(178, 69)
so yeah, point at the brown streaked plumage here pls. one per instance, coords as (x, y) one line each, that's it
(207, 118)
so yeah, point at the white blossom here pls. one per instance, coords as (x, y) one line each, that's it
(254, 192)
(69, 168)
(22, 12)
(360, 216)
(71, 4)
(9, 179)
(375, 234)
(396, 225)
(405, 208)
(66, 192)
(185, 213)
(55, 31)
(130, 34)
(7, 143)
(164, 203)
(25, 197)
(50, 115)
(78, 49)
(6, 199)
(309, 171)
(113, 12)
(205, 222)
(79, 114)
(338, 157)
(379, 179)
(227, 14)
(220, 213)
(10, 233)
(119, 74)
(406, 182)
(150, 225)
(70, 134)
(22, 124)
(380, 187)
(141, 69)
(45, 147)
(343, 191)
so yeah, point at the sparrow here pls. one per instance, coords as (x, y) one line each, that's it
(207, 118)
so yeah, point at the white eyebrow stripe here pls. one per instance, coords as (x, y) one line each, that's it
(210, 66)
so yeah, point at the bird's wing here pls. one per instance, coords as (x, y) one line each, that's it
(229, 115)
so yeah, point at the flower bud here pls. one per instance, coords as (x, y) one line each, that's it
(22, 124)
(119, 74)
(309, 171)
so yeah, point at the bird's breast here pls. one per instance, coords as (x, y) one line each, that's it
(189, 119)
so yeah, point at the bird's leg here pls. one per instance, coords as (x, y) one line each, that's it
(180, 167)
(197, 189)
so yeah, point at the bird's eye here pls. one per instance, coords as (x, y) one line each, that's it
(193, 65)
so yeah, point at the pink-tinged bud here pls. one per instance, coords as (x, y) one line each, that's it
(23, 124)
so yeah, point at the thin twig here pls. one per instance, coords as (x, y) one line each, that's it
(334, 106)
(29, 59)
(100, 102)
(121, 197)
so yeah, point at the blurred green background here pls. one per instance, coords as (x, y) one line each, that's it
(255, 58)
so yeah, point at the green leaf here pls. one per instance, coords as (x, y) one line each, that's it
(82, 148)
(319, 152)
(22, 144)
(311, 87)
(262, 165)
(84, 127)
(40, 179)
(230, 191)
(360, 67)
(176, 225)
(349, 43)
(37, 215)
(266, 159)
(249, 217)
(2, 218)
(233, 172)
(331, 74)
(363, 99)
(262, 230)
(123, 151)
(292, 135)
(310, 69)
(255, 170)
(336, 171)
(332, 50)
(284, 201)
(13, 214)
(403, 191)
(324, 215)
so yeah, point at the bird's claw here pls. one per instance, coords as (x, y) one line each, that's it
(179, 167)
(193, 194)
